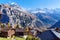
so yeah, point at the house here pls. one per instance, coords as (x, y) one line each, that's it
(47, 35)
(5, 32)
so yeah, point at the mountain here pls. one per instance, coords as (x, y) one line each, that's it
(48, 16)
(57, 24)
(15, 14)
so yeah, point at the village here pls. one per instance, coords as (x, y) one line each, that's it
(28, 33)
(13, 29)
(8, 32)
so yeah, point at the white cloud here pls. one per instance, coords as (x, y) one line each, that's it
(41, 11)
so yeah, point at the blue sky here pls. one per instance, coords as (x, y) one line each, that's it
(35, 3)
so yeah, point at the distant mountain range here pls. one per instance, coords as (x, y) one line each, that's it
(57, 24)
(48, 16)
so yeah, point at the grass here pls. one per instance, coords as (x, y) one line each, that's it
(17, 38)
(3, 38)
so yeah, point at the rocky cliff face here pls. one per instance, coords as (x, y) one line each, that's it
(15, 14)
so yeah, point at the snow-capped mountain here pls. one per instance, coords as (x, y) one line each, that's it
(48, 16)
(14, 14)
(45, 10)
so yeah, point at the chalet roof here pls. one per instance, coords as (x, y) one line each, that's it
(56, 34)
(47, 35)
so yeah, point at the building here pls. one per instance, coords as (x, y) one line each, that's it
(48, 35)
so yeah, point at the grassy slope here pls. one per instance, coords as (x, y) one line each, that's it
(17, 38)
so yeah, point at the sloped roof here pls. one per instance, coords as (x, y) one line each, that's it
(56, 33)
(47, 35)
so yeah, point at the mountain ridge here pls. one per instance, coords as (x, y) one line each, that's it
(17, 15)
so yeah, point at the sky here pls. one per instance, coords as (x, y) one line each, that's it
(35, 3)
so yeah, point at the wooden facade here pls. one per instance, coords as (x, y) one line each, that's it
(5, 32)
